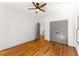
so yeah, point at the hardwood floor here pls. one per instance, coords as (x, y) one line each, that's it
(40, 48)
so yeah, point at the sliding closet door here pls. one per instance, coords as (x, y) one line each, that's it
(59, 31)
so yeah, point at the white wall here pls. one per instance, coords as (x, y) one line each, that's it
(17, 25)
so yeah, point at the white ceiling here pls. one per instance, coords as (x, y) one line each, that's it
(52, 8)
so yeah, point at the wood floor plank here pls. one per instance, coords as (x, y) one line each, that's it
(40, 48)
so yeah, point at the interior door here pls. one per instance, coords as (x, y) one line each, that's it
(59, 31)
(38, 30)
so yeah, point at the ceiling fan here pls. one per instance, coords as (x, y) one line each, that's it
(38, 7)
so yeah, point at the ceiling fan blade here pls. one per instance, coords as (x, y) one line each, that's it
(42, 10)
(34, 4)
(31, 8)
(43, 5)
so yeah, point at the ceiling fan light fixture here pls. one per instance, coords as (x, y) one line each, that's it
(37, 10)
(38, 7)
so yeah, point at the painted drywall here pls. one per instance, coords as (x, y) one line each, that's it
(17, 25)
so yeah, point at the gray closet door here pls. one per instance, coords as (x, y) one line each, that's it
(59, 31)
